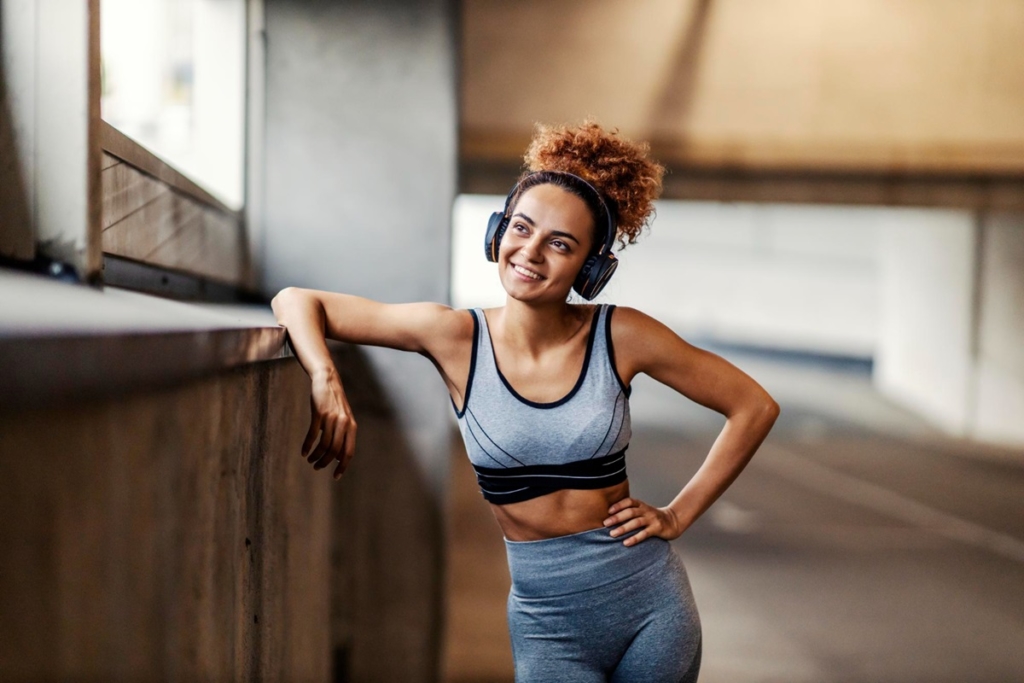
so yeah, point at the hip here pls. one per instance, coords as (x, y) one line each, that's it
(588, 560)
(585, 597)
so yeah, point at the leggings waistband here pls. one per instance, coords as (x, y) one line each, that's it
(580, 561)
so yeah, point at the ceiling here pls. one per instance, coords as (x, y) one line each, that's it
(869, 101)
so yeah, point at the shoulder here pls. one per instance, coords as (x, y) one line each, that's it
(445, 323)
(445, 330)
(642, 342)
(630, 324)
(654, 349)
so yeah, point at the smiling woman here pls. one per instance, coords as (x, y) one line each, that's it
(540, 388)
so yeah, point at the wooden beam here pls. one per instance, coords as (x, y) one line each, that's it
(117, 144)
(807, 186)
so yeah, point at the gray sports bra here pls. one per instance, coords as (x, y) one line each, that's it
(521, 449)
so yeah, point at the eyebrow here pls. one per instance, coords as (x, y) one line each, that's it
(556, 233)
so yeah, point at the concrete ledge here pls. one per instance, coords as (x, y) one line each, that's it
(62, 341)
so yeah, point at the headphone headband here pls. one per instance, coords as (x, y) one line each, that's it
(601, 262)
(609, 238)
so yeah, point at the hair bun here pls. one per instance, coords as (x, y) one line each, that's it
(619, 168)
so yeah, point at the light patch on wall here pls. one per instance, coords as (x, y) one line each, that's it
(782, 276)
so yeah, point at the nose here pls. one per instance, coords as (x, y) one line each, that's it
(531, 248)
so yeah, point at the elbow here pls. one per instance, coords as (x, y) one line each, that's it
(279, 304)
(769, 410)
(761, 408)
(759, 411)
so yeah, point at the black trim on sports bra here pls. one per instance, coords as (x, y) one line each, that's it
(503, 485)
(472, 369)
(611, 349)
(579, 380)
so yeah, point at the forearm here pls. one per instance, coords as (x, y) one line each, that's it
(304, 318)
(735, 446)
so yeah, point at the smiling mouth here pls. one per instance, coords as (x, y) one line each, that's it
(525, 272)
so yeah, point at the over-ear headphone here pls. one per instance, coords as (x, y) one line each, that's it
(600, 264)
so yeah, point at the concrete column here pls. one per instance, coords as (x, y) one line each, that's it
(49, 118)
(924, 356)
(998, 413)
(952, 300)
(17, 129)
(360, 162)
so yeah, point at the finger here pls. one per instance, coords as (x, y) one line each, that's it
(325, 442)
(349, 450)
(324, 460)
(637, 537)
(634, 523)
(624, 503)
(338, 445)
(314, 429)
(334, 449)
(350, 440)
(623, 515)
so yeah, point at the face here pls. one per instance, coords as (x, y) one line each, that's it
(545, 245)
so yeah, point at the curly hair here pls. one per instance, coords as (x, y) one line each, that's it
(617, 167)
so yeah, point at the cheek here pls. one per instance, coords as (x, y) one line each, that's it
(503, 246)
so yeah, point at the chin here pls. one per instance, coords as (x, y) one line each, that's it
(528, 295)
(540, 292)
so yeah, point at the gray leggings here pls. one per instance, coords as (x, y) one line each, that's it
(584, 607)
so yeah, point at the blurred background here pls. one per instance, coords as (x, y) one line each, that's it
(842, 218)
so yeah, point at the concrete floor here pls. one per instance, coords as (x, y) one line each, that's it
(860, 545)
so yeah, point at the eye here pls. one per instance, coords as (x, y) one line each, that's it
(560, 245)
(520, 227)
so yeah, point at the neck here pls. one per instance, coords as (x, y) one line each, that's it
(532, 328)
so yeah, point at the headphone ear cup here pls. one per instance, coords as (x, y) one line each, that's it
(492, 239)
(580, 285)
(594, 274)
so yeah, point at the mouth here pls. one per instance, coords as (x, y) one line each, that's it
(526, 272)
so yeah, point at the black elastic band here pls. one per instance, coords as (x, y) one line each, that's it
(501, 485)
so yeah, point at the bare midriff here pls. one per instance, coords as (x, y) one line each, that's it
(559, 513)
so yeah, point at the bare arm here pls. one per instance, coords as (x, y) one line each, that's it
(312, 316)
(302, 314)
(652, 348)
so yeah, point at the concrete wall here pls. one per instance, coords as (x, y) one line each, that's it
(169, 535)
(953, 321)
(795, 277)
(934, 296)
(360, 175)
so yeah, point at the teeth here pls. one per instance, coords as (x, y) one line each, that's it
(527, 273)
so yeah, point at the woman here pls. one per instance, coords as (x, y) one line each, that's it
(540, 389)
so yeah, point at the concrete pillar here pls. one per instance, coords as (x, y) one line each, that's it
(927, 289)
(49, 142)
(952, 300)
(998, 413)
(360, 162)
